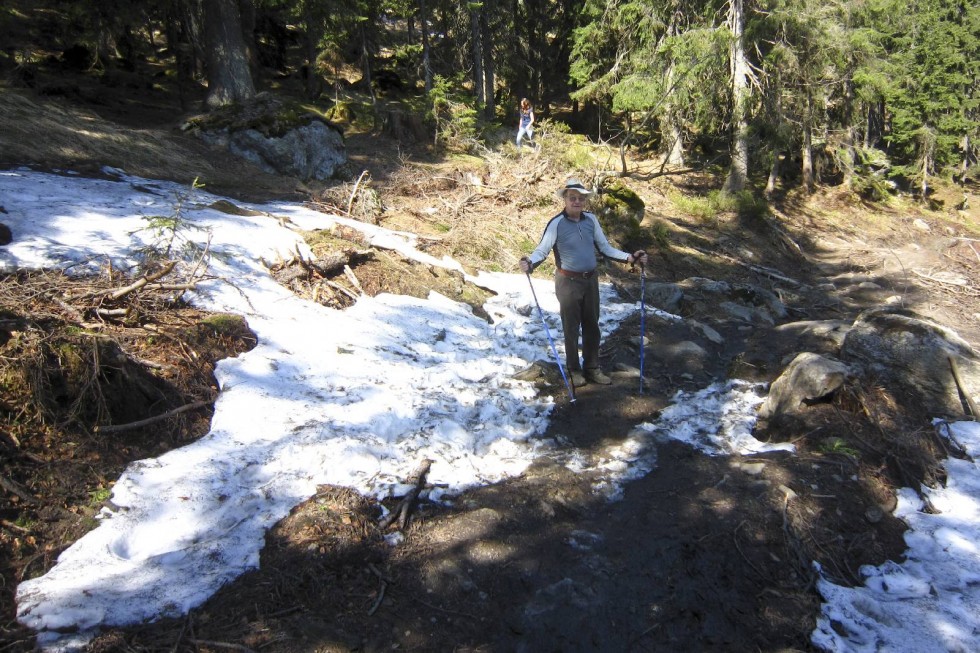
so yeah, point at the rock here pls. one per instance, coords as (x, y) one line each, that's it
(280, 137)
(683, 357)
(665, 296)
(910, 355)
(810, 376)
(313, 151)
(815, 333)
(874, 514)
(707, 332)
(747, 313)
(921, 225)
(6, 236)
(742, 301)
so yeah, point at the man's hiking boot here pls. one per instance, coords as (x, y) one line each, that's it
(578, 379)
(596, 376)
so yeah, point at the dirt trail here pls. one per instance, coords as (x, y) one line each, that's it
(702, 554)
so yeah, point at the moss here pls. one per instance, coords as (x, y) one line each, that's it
(272, 116)
(621, 210)
(226, 324)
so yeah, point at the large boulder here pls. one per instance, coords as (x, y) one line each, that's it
(912, 357)
(807, 378)
(279, 136)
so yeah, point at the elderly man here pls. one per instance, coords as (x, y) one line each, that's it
(575, 235)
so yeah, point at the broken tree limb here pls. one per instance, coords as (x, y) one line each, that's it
(115, 428)
(967, 398)
(337, 286)
(955, 281)
(142, 281)
(381, 590)
(403, 511)
(112, 312)
(15, 488)
(349, 273)
(353, 194)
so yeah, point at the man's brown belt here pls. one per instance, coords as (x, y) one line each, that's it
(576, 275)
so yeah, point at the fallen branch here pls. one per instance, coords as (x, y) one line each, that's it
(353, 279)
(14, 527)
(953, 282)
(112, 312)
(211, 642)
(350, 202)
(337, 286)
(139, 283)
(402, 512)
(115, 428)
(970, 404)
(381, 592)
(15, 488)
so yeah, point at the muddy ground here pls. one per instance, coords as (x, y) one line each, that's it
(702, 554)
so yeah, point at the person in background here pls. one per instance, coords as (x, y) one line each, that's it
(574, 235)
(526, 123)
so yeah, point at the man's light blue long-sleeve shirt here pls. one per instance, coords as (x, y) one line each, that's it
(575, 243)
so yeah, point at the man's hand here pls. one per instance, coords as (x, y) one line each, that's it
(525, 264)
(639, 257)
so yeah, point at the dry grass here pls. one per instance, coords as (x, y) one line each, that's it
(56, 135)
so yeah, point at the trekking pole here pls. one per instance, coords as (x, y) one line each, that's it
(568, 386)
(643, 312)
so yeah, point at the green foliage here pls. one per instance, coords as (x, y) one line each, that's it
(716, 202)
(935, 49)
(660, 232)
(455, 116)
(871, 172)
(98, 496)
(835, 445)
(168, 233)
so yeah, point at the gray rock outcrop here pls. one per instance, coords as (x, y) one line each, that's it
(311, 151)
(808, 377)
(911, 357)
(279, 136)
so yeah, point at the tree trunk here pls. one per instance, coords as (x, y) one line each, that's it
(426, 60)
(875, 125)
(477, 39)
(247, 10)
(672, 128)
(738, 172)
(967, 146)
(773, 173)
(229, 76)
(489, 70)
(366, 65)
(310, 40)
(807, 155)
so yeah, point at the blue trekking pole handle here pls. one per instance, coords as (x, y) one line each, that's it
(643, 312)
(554, 350)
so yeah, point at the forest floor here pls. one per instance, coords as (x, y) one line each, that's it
(702, 554)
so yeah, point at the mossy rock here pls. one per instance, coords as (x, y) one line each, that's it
(270, 115)
(621, 210)
(342, 112)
